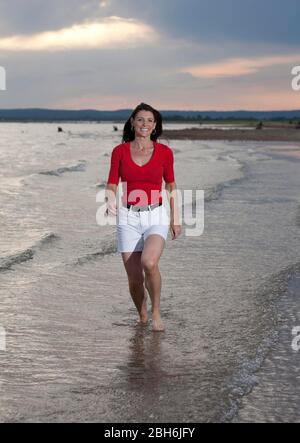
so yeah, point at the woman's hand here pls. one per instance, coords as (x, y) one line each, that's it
(111, 208)
(175, 230)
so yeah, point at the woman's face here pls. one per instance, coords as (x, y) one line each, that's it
(143, 123)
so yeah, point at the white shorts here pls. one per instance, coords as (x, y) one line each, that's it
(134, 227)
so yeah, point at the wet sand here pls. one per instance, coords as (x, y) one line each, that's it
(270, 133)
(295, 153)
(283, 134)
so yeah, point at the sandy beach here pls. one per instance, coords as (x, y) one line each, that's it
(287, 152)
(275, 133)
(283, 134)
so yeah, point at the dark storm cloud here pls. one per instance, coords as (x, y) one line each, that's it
(268, 21)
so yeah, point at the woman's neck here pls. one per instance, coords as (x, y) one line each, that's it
(142, 143)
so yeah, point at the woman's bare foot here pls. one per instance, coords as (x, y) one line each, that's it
(157, 324)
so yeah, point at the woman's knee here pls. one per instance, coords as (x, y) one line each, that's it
(149, 264)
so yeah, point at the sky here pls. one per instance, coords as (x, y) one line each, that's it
(172, 54)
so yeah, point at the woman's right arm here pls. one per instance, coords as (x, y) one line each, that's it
(112, 182)
(110, 198)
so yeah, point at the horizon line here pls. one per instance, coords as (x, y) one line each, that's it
(162, 110)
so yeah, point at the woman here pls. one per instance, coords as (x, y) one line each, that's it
(142, 220)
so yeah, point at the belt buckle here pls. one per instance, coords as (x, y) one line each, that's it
(141, 208)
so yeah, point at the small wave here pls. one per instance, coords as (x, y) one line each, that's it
(81, 166)
(226, 157)
(244, 379)
(14, 259)
(101, 185)
(107, 248)
(215, 192)
(27, 254)
(85, 135)
(48, 237)
(260, 157)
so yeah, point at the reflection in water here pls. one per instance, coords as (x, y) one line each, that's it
(144, 365)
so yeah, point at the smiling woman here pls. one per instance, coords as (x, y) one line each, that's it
(111, 32)
(142, 220)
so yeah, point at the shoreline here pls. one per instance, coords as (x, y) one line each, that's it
(266, 403)
(266, 134)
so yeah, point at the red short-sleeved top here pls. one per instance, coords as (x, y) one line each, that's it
(141, 184)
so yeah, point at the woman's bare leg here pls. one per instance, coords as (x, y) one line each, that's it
(152, 251)
(132, 263)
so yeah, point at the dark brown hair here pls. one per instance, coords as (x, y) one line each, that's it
(128, 133)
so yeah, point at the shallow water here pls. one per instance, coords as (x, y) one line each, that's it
(73, 349)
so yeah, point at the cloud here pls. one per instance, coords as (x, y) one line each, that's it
(267, 21)
(34, 16)
(109, 33)
(208, 54)
(237, 67)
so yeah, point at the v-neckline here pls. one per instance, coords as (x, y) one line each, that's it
(141, 166)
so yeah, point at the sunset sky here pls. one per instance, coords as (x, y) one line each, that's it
(172, 54)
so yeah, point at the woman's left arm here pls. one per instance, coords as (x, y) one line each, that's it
(175, 226)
